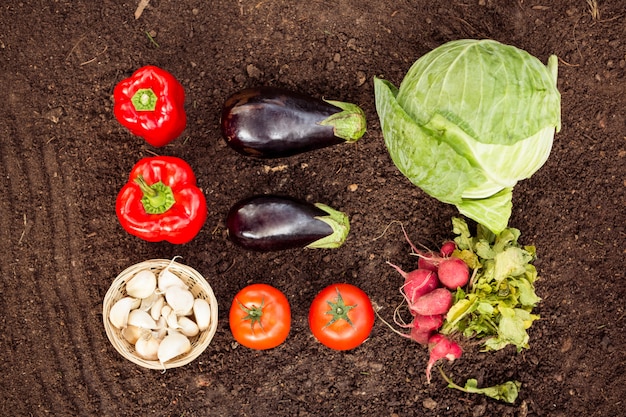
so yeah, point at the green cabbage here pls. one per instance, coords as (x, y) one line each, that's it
(470, 119)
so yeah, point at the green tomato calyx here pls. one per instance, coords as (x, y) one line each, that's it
(339, 310)
(253, 314)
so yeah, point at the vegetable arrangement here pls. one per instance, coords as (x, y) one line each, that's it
(470, 119)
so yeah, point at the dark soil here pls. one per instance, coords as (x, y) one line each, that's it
(63, 158)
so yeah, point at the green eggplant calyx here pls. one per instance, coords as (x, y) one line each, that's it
(349, 124)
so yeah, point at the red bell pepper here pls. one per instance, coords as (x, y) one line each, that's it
(161, 201)
(150, 103)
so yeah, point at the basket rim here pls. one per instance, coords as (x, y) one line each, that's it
(200, 285)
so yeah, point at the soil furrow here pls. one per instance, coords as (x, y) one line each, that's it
(31, 325)
(59, 371)
(86, 331)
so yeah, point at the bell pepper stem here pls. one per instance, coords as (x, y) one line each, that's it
(144, 99)
(157, 198)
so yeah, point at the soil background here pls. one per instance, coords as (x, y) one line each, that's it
(63, 159)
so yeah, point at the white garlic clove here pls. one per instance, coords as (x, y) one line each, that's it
(155, 310)
(173, 345)
(131, 334)
(188, 327)
(202, 313)
(141, 319)
(180, 299)
(167, 279)
(161, 329)
(172, 319)
(148, 302)
(120, 311)
(142, 285)
(147, 347)
(165, 310)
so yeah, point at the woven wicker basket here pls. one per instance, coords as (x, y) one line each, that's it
(198, 286)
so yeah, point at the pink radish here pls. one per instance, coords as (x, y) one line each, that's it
(424, 326)
(416, 283)
(438, 301)
(453, 273)
(421, 336)
(427, 260)
(440, 347)
(423, 323)
(419, 285)
(447, 248)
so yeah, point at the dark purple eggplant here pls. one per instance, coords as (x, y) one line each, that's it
(269, 122)
(271, 223)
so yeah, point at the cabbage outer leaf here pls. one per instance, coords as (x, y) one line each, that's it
(418, 152)
(492, 212)
(431, 164)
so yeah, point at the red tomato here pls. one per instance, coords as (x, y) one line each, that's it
(260, 317)
(341, 316)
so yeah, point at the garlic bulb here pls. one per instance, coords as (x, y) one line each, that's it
(202, 313)
(142, 284)
(120, 311)
(173, 345)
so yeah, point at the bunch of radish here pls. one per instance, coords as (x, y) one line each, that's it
(427, 291)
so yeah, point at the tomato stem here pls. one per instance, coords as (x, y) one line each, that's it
(253, 314)
(339, 310)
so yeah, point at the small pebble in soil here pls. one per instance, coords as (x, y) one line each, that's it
(429, 404)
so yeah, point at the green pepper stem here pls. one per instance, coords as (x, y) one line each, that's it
(144, 99)
(157, 198)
